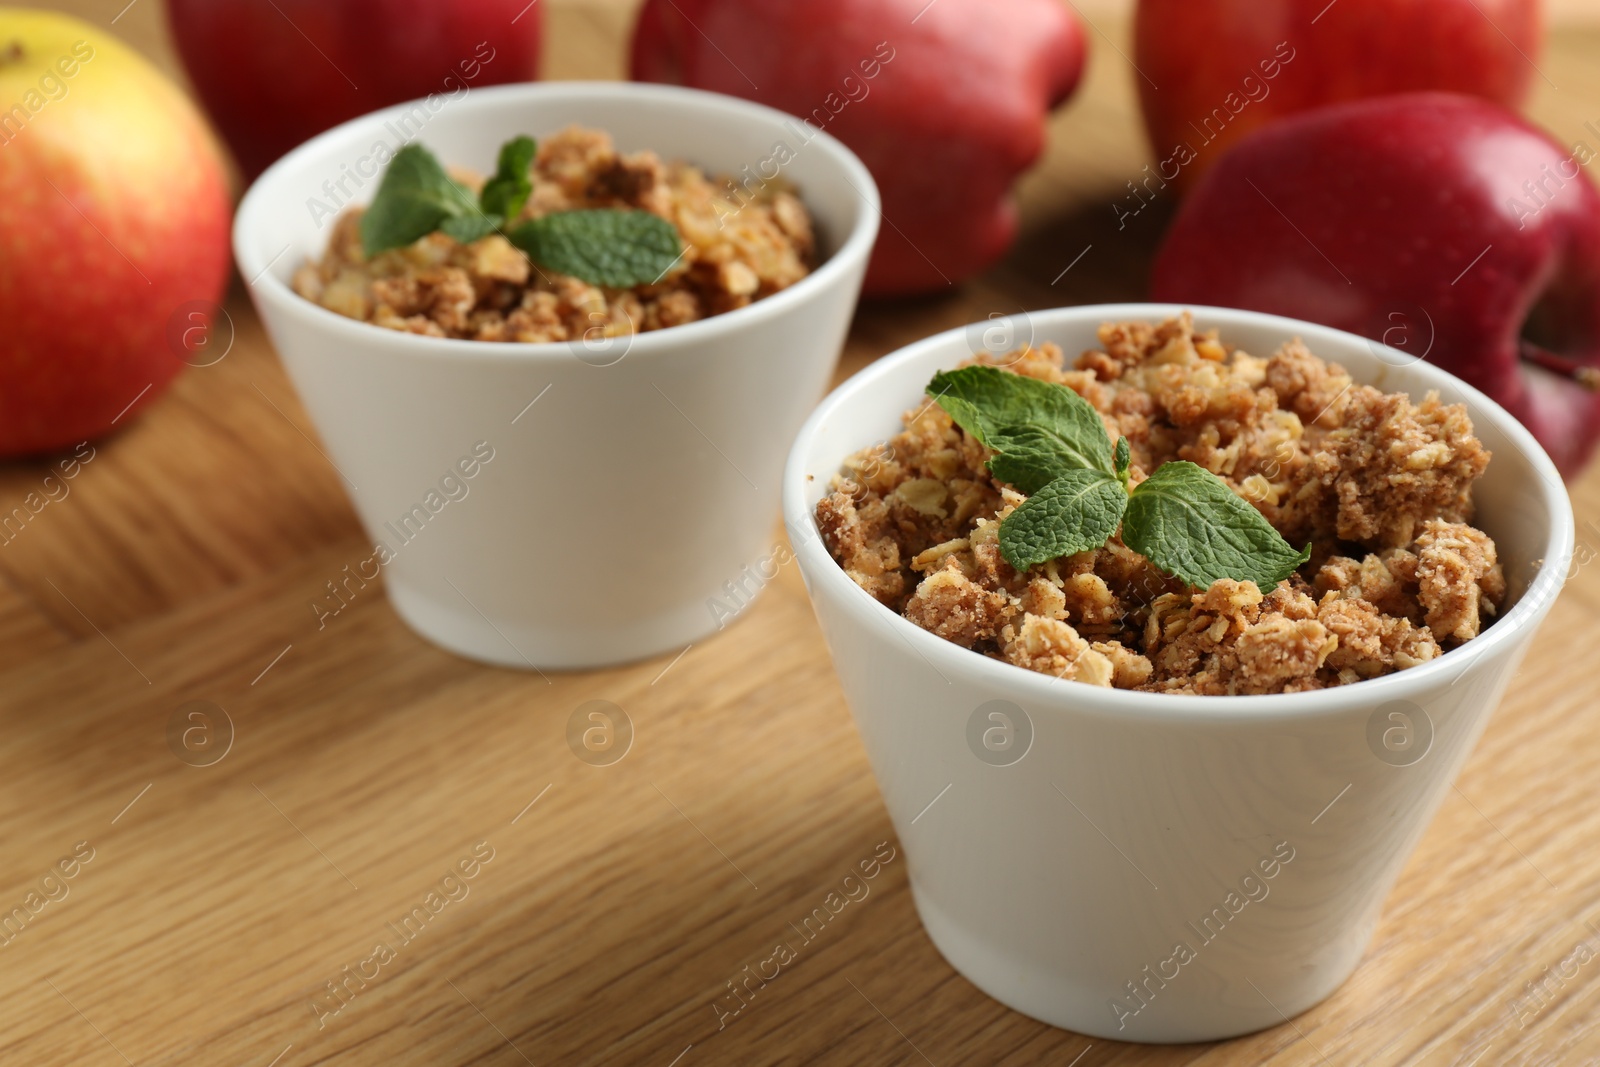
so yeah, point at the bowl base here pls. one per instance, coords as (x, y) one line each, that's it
(462, 629)
(1053, 998)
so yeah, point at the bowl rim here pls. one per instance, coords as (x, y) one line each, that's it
(826, 579)
(252, 218)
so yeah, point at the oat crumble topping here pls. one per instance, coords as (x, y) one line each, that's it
(742, 245)
(1382, 486)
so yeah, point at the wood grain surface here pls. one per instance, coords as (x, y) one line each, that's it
(223, 902)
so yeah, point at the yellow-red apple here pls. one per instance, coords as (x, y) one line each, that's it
(113, 217)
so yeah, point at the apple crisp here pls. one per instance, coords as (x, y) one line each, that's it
(739, 246)
(1381, 486)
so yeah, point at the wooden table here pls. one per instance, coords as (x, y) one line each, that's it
(221, 901)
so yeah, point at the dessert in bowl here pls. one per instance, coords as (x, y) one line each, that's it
(1197, 861)
(622, 477)
(1004, 519)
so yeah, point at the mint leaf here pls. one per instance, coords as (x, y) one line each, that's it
(1074, 513)
(1030, 457)
(1064, 432)
(961, 393)
(469, 228)
(1122, 459)
(506, 192)
(618, 249)
(414, 199)
(1186, 521)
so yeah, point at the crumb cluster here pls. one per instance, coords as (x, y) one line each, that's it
(1380, 485)
(739, 247)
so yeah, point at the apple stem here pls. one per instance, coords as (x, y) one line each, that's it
(12, 53)
(1584, 374)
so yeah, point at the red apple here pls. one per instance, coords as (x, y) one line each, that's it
(113, 219)
(1212, 70)
(1441, 224)
(945, 102)
(274, 72)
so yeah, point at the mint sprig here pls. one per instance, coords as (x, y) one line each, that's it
(603, 246)
(1051, 444)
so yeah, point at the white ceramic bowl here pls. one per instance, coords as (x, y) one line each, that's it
(612, 514)
(1063, 883)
